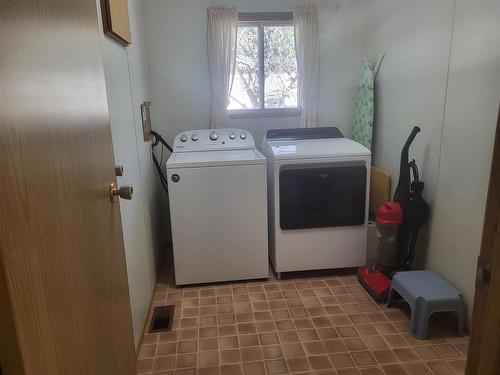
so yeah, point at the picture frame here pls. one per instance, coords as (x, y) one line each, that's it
(115, 21)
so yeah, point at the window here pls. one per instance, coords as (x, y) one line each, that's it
(265, 77)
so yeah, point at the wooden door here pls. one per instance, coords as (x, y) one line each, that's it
(484, 345)
(63, 286)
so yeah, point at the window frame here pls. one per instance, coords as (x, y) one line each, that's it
(260, 20)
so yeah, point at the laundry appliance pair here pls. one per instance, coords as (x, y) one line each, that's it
(302, 201)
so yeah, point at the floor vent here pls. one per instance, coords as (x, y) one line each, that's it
(162, 318)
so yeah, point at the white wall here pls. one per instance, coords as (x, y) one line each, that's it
(127, 87)
(410, 87)
(468, 132)
(411, 83)
(177, 54)
(456, 109)
(154, 198)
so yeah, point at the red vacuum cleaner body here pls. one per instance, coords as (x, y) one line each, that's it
(373, 277)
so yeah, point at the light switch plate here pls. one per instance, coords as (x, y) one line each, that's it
(146, 120)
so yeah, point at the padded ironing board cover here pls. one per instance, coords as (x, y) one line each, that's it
(363, 113)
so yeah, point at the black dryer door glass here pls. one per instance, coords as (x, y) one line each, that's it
(322, 197)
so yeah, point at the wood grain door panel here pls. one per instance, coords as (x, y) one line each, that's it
(60, 236)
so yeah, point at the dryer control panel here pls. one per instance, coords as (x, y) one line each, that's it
(213, 139)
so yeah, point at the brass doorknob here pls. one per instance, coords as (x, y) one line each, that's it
(124, 192)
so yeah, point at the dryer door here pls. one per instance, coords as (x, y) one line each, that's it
(328, 195)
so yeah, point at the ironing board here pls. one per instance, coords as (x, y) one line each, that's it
(363, 114)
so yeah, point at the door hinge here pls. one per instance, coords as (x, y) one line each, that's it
(483, 274)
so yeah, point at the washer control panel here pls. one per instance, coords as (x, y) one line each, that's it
(213, 139)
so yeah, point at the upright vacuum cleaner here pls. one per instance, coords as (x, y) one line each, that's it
(398, 225)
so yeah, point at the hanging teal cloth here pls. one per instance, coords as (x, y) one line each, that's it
(362, 127)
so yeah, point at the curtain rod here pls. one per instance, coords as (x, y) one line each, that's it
(268, 16)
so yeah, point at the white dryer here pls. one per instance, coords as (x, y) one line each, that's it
(218, 206)
(318, 191)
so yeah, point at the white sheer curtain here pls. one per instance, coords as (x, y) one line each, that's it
(305, 21)
(222, 28)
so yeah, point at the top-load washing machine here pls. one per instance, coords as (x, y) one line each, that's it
(318, 191)
(218, 206)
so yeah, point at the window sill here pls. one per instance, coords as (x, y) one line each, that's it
(262, 113)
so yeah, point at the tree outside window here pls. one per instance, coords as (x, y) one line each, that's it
(266, 67)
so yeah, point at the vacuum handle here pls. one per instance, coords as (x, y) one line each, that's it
(402, 192)
(412, 136)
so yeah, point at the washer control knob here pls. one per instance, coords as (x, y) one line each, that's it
(184, 138)
(243, 135)
(232, 136)
(213, 136)
(194, 137)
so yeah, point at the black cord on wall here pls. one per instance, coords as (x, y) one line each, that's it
(158, 139)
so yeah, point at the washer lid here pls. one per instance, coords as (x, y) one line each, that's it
(215, 158)
(314, 148)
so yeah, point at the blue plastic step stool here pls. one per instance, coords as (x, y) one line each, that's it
(426, 294)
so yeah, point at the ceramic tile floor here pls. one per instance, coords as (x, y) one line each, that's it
(306, 323)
